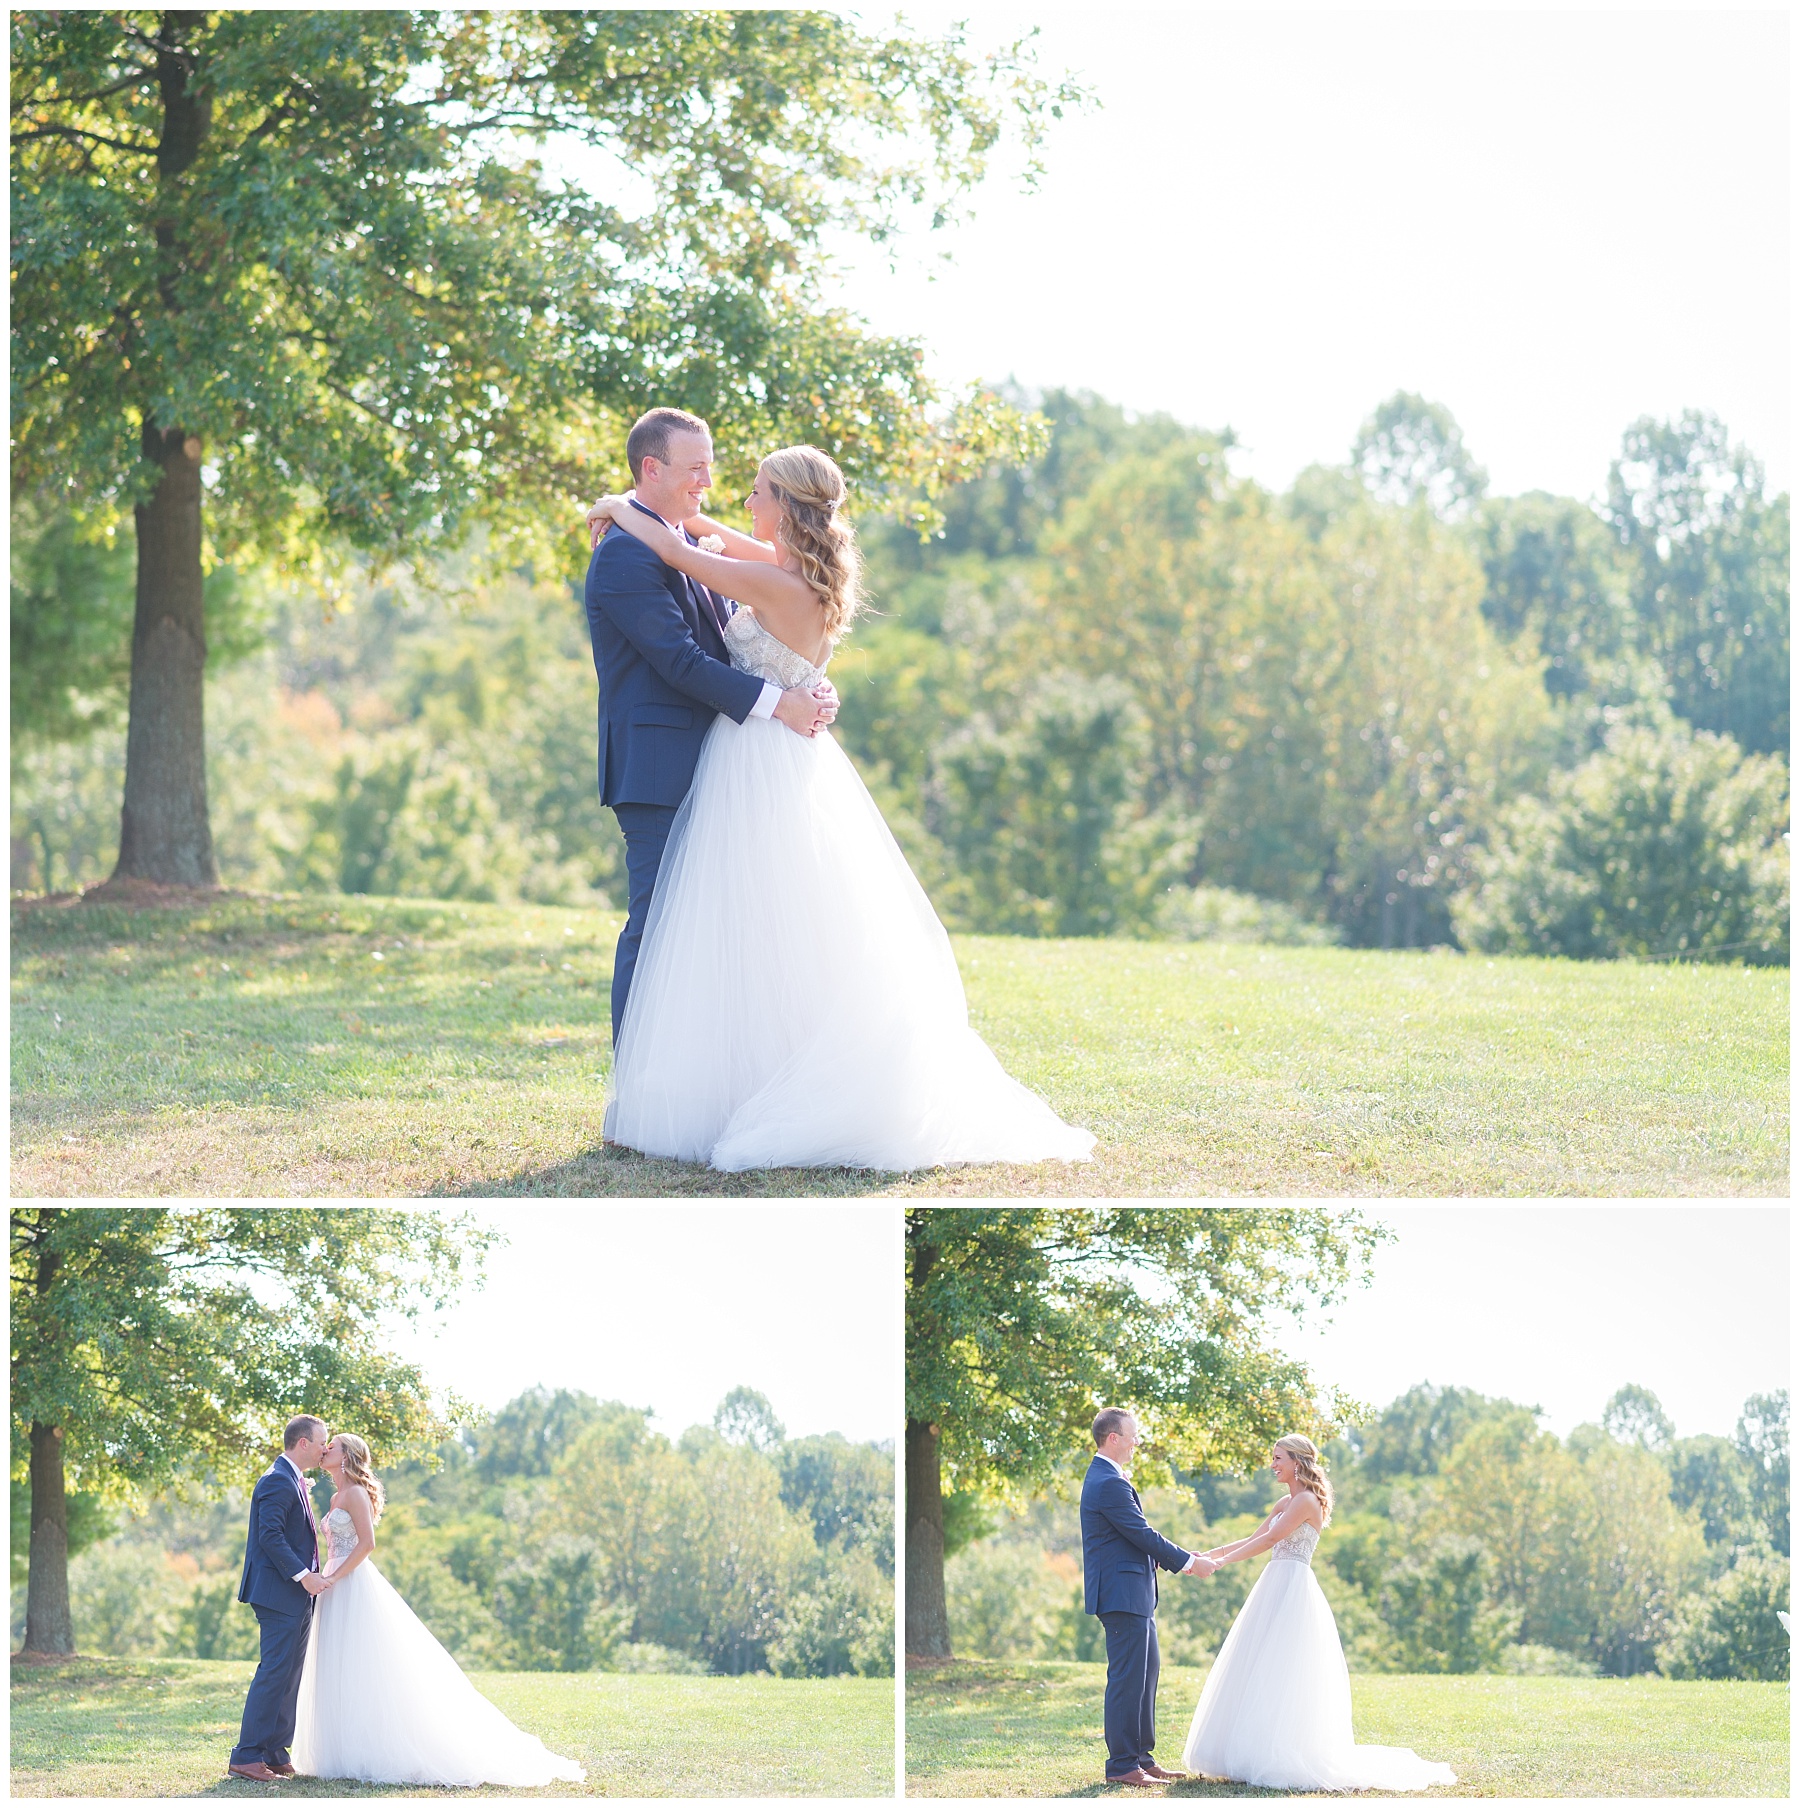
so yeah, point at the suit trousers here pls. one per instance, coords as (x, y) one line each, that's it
(1133, 1664)
(270, 1707)
(646, 829)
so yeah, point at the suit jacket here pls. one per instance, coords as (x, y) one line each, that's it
(280, 1545)
(1120, 1549)
(659, 653)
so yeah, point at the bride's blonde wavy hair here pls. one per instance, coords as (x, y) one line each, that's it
(1311, 1468)
(810, 490)
(359, 1469)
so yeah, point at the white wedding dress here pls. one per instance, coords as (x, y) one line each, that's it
(1275, 1711)
(382, 1701)
(796, 1001)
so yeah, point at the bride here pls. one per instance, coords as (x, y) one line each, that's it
(1275, 1711)
(380, 1699)
(796, 1002)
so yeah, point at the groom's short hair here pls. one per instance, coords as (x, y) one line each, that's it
(301, 1425)
(650, 437)
(1108, 1420)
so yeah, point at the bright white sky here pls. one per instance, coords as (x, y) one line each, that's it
(1551, 222)
(1558, 1306)
(671, 1305)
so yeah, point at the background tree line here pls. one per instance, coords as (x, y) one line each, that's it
(1120, 691)
(1122, 679)
(1465, 1538)
(562, 1534)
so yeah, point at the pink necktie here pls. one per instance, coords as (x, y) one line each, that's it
(306, 1501)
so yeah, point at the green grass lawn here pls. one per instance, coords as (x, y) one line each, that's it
(369, 1047)
(165, 1726)
(980, 1729)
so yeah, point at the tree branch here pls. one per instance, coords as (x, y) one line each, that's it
(134, 79)
(117, 144)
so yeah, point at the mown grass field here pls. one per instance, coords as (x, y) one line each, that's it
(975, 1728)
(360, 1046)
(165, 1726)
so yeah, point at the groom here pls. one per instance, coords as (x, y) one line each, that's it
(659, 653)
(281, 1581)
(1120, 1554)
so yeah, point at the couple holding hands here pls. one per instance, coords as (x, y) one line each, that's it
(1275, 1709)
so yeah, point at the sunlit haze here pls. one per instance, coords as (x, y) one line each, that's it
(1559, 1306)
(1553, 223)
(672, 1305)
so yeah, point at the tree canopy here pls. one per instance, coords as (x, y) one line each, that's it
(289, 282)
(155, 1344)
(349, 252)
(1411, 450)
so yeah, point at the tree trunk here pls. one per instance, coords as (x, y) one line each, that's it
(927, 1618)
(48, 1627)
(164, 831)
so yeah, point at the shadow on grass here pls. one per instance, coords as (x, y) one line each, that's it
(239, 1001)
(1190, 1788)
(610, 1172)
(241, 1789)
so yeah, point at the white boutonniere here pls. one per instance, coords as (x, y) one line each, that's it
(710, 543)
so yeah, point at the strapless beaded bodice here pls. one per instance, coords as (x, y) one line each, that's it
(755, 650)
(1297, 1547)
(340, 1536)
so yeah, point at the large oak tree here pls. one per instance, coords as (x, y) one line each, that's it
(1022, 1322)
(291, 279)
(156, 1344)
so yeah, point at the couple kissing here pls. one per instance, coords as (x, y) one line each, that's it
(349, 1682)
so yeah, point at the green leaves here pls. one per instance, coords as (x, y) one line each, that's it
(1707, 556)
(1665, 845)
(1022, 1323)
(331, 246)
(174, 1341)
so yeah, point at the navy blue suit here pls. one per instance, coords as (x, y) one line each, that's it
(1120, 1554)
(659, 653)
(281, 1544)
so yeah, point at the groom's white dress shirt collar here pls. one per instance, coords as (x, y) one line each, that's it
(1117, 1468)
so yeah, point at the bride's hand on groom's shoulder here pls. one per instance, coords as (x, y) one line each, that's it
(602, 515)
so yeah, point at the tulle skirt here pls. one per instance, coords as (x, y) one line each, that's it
(796, 1002)
(382, 1701)
(1275, 1711)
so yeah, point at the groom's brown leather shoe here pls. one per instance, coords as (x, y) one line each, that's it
(1165, 1776)
(258, 1772)
(1138, 1779)
(282, 1770)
